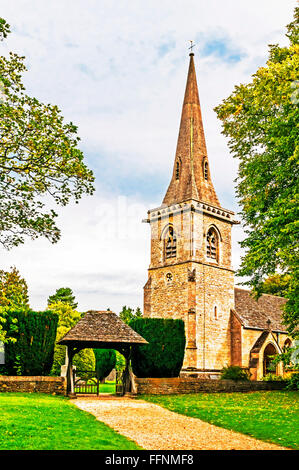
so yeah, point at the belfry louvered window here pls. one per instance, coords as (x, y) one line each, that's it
(170, 243)
(206, 170)
(177, 170)
(212, 244)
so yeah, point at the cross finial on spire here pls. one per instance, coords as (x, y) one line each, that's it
(191, 46)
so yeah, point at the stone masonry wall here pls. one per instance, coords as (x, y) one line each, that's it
(50, 385)
(177, 385)
(192, 287)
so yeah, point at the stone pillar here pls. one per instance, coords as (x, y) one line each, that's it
(69, 372)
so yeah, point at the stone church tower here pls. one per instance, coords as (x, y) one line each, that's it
(190, 273)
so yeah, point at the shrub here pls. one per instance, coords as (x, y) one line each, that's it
(293, 382)
(164, 355)
(234, 373)
(273, 378)
(105, 362)
(32, 352)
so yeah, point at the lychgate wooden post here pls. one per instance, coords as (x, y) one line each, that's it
(69, 372)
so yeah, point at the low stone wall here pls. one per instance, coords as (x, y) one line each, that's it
(51, 385)
(175, 385)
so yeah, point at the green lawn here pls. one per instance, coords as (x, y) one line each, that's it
(39, 421)
(108, 387)
(269, 416)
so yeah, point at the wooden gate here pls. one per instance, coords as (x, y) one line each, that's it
(86, 382)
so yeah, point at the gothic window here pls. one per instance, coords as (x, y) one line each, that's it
(177, 170)
(170, 243)
(205, 170)
(212, 244)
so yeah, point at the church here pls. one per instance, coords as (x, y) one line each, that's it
(190, 274)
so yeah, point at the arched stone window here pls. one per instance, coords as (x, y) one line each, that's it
(212, 244)
(170, 243)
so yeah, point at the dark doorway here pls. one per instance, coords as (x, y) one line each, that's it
(269, 367)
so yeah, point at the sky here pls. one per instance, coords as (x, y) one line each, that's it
(117, 69)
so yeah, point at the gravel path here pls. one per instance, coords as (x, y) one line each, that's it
(155, 428)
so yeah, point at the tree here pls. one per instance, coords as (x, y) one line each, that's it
(105, 362)
(13, 296)
(127, 314)
(67, 318)
(65, 295)
(39, 159)
(261, 121)
(278, 284)
(13, 289)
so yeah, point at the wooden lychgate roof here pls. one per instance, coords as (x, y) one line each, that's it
(100, 329)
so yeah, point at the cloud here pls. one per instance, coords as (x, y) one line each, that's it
(117, 69)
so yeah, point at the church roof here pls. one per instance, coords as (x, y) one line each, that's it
(191, 178)
(101, 327)
(257, 313)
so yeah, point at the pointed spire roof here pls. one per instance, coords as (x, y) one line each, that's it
(191, 177)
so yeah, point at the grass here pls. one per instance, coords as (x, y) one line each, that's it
(45, 422)
(107, 387)
(269, 416)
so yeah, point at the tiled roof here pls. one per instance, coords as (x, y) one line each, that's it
(255, 313)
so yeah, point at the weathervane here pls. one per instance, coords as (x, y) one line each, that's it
(191, 46)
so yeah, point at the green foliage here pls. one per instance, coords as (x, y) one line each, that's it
(271, 377)
(65, 295)
(164, 355)
(278, 284)
(4, 29)
(260, 120)
(127, 314)
(67, 318)
(13, 289)
(234, 373)
(105, 362)
(13, 296)
(39, 156)
(293, 382)
(289, 357)
(120, 362)
(33, 349)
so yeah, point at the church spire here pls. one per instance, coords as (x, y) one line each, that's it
(191, 177)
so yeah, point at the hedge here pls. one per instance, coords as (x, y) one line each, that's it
(164, 355)
(33, 351)
(105, 362)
